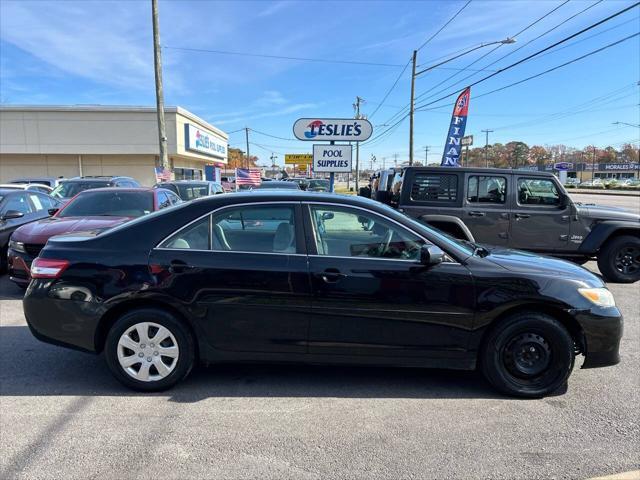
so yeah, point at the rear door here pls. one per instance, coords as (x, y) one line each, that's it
(539, 221)
(486, 208)
(243, 271)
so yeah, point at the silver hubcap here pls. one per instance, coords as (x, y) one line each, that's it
(148, 352)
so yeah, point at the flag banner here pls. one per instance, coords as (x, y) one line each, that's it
(452, 147)
(248, 176)
(163, 174)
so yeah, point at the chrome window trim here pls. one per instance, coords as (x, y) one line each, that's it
(224, 207)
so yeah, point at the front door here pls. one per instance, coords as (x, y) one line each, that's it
(243, 272)
(485, 209)
(371, 296)
(539, 220)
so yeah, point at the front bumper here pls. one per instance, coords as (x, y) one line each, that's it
(602, 329)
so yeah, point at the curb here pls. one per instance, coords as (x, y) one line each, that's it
(633, 475)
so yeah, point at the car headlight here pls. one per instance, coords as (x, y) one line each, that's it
(17, 246)
(598, 296)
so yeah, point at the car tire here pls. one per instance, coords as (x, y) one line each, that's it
(528, 355)
(137, 362)
(619, 259)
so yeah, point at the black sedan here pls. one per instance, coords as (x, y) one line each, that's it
(17, 208)
(309, 277)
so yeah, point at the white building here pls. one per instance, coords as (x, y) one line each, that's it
(68, 141)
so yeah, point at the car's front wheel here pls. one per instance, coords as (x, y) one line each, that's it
(149, 350)
(528, 354)
(619, 259)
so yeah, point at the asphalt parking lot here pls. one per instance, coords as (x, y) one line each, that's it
(63, 415)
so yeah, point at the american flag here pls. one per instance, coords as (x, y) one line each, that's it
(163, 174)
(248, 176)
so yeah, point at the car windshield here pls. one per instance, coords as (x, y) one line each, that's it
(318, 184)
(70, 189)
(289, 185)
(190, 191)
(110, 203)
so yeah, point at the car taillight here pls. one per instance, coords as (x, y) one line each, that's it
(48, 268)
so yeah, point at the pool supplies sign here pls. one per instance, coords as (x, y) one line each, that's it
(204, 142)
(332, 158)
(332, 129)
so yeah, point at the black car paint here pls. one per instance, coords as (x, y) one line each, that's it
(272, 307)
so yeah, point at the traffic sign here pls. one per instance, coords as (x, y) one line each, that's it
(298, 159)
(332, 158)
(332, 129)
(467, 141)
(563, 166)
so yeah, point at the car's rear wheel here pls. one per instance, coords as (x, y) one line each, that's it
(149, 349)
(528, 354)
(619, 259)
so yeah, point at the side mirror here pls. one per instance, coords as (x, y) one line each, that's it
(564, 201)
(52, 211)
(431, 255)
(11, 214)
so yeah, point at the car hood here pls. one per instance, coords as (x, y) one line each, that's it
(39, 232)
(531, 263)
(601, 212)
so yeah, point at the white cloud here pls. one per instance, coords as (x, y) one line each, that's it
(275, 113)
(273, 8)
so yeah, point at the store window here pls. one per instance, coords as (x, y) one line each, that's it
(188, 173)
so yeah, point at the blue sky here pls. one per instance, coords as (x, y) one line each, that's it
(100, 52)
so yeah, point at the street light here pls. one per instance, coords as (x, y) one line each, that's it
(506, 41)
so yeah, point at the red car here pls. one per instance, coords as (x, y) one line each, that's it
(90, 210)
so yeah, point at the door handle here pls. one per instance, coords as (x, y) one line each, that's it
(476, 214)
(521, 215)
(331, 275)
(178, 266)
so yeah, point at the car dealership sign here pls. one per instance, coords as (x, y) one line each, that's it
(332, 129)
(204, 142)
(332, 158)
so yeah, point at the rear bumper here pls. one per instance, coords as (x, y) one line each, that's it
(19, 266)
(602, 329)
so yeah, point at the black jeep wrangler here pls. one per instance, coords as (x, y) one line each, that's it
(519, 209)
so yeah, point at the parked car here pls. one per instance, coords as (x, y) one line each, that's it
(69, 188)
(228, 183)
(38, 187)
(17, 208)
(49, 181)
(302, 183)
(520, 209)
(274, 184)
(287, 276)
(91, 210)
(190, 189)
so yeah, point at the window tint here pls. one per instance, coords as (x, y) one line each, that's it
(163, 200)
(345, 232)
(41, 202)
(18, 203)
(70, 189)
(194, 237)
(173, 198)
(537, 191)
(431, 187)
(110, 203)
(483, 189)
(189, 192)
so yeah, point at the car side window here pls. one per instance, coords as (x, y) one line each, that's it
(434, 187)
(19, 203)
(163, 200)
(347, 232)
(484, 189)
(41, 202)
(173, 198)
(538, 191)
(196, 236)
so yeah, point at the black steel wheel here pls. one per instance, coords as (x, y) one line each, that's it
(528, 354)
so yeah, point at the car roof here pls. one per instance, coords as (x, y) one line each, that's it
(96, 178)
(120, 189)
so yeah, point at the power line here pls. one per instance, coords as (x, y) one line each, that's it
(444, 26)
(283, 57)
(391, 89)
(289, 139)
(529, 57)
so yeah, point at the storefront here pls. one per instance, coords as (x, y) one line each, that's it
(587, 171)
(69, 141)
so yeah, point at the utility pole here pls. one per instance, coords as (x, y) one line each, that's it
(426, 155)
(246, 134)
(157, 62)
(356, 106)
(411, 106)
(593, 164)
(395, 159)
(486, 148)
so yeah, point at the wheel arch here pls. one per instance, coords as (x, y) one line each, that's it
(570, 323)
(605, 231)
(113, 314)
(449, 224)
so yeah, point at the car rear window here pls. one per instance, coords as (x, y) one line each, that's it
(112, 203)
(70, 189)
(433, 187)
(189, 192)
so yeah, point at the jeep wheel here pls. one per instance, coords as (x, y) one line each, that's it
(619, 259)
(528, 354)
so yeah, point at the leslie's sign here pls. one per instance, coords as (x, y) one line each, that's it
(331, 129)
(202, 141)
